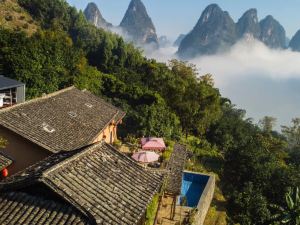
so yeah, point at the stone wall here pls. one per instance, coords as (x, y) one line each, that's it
(205, 200)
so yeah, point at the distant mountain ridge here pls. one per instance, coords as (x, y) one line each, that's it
(272, 33)
(216, 31)
(248, 25)
(138, 25)
(295, 42)
(179, 40)
(94, 16)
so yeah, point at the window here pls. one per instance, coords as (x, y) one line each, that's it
(72, 114)
(46, 127)
(88, 105)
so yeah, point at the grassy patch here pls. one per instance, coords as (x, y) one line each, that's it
(204, 157)
(14, 17)
(168, 152)
(151, 210)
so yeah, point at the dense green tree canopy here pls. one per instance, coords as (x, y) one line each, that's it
(292, 133)
(46, 62)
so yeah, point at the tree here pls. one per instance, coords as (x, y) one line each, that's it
(195, 100)
(290, 213)
(292, 133)
(267, 123)
(250, 206)
(51, 13)
(46, 61)
(254, 164)
(1, 64)
(294, 157)
(232, 129)
(89, 78)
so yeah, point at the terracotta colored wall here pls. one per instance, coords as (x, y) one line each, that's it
(23, 152)
(107, 131)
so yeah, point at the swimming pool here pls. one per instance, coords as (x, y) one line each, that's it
(192, 188)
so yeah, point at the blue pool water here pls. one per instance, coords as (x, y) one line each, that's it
(192, 187)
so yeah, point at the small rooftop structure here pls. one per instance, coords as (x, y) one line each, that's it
(152, 143)
(63, 121)
(11, 92)
(102, 184)
(7, 83)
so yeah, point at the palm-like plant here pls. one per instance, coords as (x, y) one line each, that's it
(3, 142)
(290, 214)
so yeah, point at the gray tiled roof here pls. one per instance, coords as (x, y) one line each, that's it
(175, 169)
(6, 83)
(63, 121)
(4, 161)
(101, 182)
(21, 208)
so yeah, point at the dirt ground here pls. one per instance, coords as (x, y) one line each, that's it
(165, 212)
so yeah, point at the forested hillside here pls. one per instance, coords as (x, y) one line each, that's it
(257, 166)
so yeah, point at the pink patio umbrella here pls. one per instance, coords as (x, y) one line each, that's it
(145, 157)
(152, 143)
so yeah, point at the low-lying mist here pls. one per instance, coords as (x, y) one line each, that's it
(256, 78)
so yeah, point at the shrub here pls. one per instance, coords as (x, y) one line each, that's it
(117, 143)
(25, 26)
(8, 18)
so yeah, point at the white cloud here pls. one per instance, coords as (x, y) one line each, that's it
(261, 80)
(162, 54)
(248, 58)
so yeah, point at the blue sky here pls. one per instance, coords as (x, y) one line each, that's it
(172, 17)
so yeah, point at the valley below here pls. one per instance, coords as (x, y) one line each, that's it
(260, 80)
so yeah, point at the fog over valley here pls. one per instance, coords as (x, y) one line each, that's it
(261, 80)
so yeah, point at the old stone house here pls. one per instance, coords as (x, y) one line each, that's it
(63, 121)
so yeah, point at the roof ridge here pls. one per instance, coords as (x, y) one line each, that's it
(82, 153)
(70, 159)
(38, 99)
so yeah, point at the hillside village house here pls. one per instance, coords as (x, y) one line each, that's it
(64, 121)
(63, 168)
